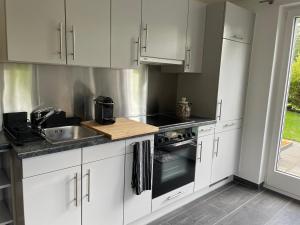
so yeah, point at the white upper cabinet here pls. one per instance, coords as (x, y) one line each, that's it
(195, 37)
(103, 191)
(238, 24)
(226, 154)
(125, 33)
(163, 31)
(233, 80)
(88, 32)
(53, 198)
(34, 31)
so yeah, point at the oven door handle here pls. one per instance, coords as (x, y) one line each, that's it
(183, 143)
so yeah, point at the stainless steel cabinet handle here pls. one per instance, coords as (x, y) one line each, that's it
(217, 141)
(175, 196)
(229, 124)
(209, 129)
(145, 29)
(76, 189)
(238, 37)
(60, 30)
(137, 51)
(201, 149)
(73, 42)
(89, 185)
(220, 110)
(188, 58)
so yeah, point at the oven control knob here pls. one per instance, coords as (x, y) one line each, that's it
(184, 135)
(160, 140)
(179, 136)
(166, 139)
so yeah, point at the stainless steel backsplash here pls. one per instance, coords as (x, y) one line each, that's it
(23, 87)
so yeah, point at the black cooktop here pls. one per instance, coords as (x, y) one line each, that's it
(163, 120)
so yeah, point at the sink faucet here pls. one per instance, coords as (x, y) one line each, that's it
(43, 119)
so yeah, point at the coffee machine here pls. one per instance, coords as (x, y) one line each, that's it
(104, 110)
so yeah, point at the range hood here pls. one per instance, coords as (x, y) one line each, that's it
(159, 61)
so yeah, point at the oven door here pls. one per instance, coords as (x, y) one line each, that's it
(174, 166)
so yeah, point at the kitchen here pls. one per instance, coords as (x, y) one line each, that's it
(142, 112)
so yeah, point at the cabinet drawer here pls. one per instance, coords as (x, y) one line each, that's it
(172, 196)
(52, 162)
(229, 125)
(103, 151)
(130, 142)
(206, 130)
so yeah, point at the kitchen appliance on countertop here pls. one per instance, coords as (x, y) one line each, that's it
(18, 129)
(183, 108)
(174, 160)
(104, 110)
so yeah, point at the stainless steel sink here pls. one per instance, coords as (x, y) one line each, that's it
(59, 135)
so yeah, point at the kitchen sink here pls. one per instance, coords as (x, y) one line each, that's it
(57, 135)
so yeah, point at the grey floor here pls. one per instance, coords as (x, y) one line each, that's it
(236, 205)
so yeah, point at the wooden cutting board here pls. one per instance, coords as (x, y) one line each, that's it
(122, 128)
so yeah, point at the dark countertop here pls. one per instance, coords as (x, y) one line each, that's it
(197, 122)
(4, 142)
(43, 147)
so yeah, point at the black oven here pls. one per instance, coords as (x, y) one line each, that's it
(174, 160)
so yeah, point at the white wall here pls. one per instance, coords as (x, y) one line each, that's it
(255, 131)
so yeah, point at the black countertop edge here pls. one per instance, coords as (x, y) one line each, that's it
(4, 142)
(43, 147)
(187, 125)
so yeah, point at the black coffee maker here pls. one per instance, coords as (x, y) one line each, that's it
(104, 110)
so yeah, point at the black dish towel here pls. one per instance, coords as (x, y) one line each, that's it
(142, 167)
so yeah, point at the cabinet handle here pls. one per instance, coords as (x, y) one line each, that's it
(217, 141)
(145, 29)
(73, 42)
(174, 196)
(89, 185)
(76, 189)
(137, 52)
(188, 58)
(229, 125)
(220, 110)
(201, 149)
(238, 37)
(60, 39)
(209, 129)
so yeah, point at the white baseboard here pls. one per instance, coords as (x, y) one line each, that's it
(169, 208)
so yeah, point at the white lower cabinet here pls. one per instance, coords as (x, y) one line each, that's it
(226, 154)
(53, 198)
(135, 206)
(102, 192)
(204, 162)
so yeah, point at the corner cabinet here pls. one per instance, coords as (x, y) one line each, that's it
(163, 31)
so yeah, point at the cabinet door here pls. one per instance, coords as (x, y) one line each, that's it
(233, 80)
(135, 206)
(35, 31)
(204, 162)
(164, 24)
(226, 154)
(102, 192)
(53, 198)
(238, 23)
(195, 36)
(88, 32)
(125, 33)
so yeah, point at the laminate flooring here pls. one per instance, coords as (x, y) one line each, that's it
(235, 204)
